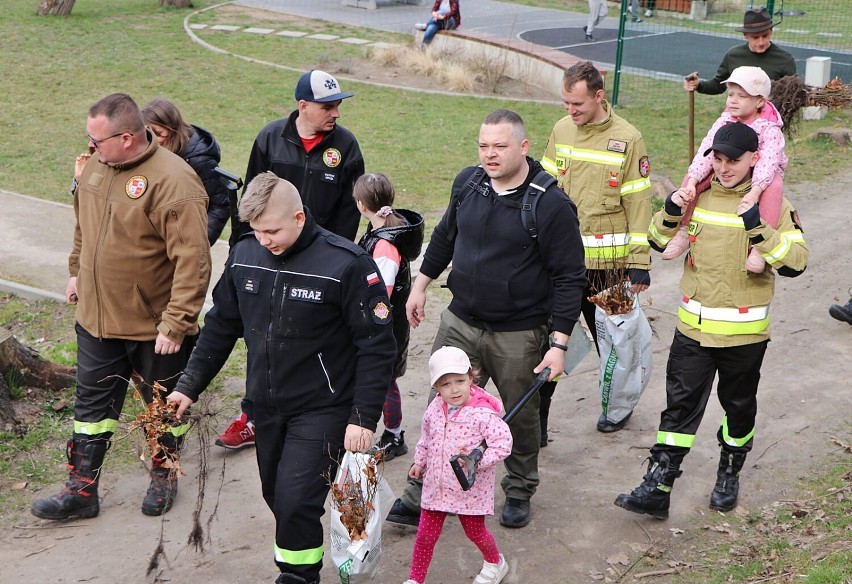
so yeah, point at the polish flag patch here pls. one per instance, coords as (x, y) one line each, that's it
(373, 278)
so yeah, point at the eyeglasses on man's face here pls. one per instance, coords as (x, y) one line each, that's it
(97, 143)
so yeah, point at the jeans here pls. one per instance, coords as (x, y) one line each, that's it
(433, 26)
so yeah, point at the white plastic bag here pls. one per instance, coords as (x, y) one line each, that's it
(357, 561)
(625, 345)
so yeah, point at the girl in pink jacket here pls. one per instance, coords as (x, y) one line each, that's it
(747, 102)
(460, 417)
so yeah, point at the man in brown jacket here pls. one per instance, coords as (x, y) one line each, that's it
(139, 268)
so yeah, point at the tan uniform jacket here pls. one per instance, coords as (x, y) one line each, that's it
(604, 169)
(140, 255)
(722, 304)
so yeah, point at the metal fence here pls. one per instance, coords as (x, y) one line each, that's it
(682, 36)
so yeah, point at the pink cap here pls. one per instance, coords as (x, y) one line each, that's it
(447, 360)
(753, 79)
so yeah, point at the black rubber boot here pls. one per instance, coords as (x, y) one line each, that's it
(79, 498)
(653, 495)
(727, 489)
(164, 464)
(162, 490)
(842, 313)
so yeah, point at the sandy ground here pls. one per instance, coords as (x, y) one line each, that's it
(575, 527)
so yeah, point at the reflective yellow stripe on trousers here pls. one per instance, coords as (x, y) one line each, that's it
(298, 557)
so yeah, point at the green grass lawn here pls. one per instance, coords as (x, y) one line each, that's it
(54, 68)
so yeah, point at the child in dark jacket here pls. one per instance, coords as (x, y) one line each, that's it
(393, 238)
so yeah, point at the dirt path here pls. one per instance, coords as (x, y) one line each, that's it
(575, 527)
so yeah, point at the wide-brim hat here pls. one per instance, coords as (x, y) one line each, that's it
(756, 20)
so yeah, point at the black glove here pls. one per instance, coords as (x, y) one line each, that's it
(638, 276)
(671, 208)
(751, 218)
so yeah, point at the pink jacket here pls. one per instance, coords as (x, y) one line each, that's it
(442, 438)
(770, 145)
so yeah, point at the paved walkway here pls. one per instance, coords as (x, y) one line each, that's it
(498, 18)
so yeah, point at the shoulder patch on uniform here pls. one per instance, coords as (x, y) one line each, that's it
(794, 216)
(373, 278)
(644, 166)
(379, 310)
(617, 146)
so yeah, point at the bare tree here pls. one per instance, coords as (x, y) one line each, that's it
(55, 7)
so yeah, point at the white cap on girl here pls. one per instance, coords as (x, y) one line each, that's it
(753, 79)
(447, 360)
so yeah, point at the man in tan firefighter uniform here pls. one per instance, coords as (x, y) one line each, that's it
(600, 161)
(723, 320)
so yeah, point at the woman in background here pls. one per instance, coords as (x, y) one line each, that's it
(200, 150)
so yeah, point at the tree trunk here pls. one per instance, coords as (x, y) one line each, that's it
(55, 7)
(7, 413)
(27, 367)
(176, 3)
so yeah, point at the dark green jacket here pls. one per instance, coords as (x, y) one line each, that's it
(775, 62)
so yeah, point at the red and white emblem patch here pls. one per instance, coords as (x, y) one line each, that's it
(331, 157)
(372, 278)
(644, 166)
(381, 311)
(136, 186)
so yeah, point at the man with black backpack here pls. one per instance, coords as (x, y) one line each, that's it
(513, 238)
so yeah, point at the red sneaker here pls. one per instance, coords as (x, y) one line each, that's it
(238, 435)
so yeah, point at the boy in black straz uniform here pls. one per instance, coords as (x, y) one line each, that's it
(316, 320)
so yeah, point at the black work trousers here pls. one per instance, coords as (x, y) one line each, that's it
(690, 372)
(296, 455)
(104, 367)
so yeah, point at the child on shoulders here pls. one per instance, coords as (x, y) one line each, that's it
(747, 102)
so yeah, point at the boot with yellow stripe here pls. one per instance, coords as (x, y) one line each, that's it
(652, 496)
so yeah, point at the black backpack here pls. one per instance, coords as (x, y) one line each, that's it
(540, 183)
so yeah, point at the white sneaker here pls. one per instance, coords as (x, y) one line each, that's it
(492, 573)
(648, 14)
(410, 581)
(420, 26)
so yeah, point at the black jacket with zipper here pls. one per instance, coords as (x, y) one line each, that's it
(502, 279)
(316, 322)
(324, 176)
(408, 240)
